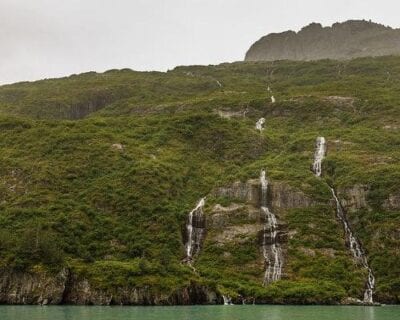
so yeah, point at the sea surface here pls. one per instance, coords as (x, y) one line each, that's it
(237, 312)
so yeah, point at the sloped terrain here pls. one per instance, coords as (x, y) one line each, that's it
(98, 174)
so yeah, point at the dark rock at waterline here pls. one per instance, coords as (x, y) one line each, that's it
(64, 287)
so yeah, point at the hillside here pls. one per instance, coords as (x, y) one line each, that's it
(99, 174)
(341, 41)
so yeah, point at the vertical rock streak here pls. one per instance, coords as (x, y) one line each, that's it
(272, 251)
(351, 239)
(195, 230)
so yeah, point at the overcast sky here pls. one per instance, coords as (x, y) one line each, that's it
(52, 38)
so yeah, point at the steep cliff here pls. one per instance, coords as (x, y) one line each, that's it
(347, 40)
(66, 287)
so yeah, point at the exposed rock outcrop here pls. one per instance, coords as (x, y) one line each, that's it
(39, 287)
(248, 192)
(81, 292)
(347, 40)
(354, 198)
(280, 194)
(33, 287)
(284, 197)
(392, 202)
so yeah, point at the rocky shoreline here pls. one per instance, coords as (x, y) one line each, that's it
(36, 288)
(65, 288)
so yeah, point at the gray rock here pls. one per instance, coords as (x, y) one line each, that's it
(248, 192)
(341, 41)
(393, 202)
(354, 198)
(33, 287)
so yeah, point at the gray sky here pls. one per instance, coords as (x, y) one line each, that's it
(52, 38)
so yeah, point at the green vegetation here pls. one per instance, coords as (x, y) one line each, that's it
(68, 197)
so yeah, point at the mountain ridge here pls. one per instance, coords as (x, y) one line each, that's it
(341, 41)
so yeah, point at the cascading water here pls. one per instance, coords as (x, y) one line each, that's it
(271, 249)
(227, 300)
(356, 249)
(260, 124)
(352, 241)
(195, 230)
(273, 100)
(319, 155)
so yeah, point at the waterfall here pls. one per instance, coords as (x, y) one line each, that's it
(320, 150)
(272, 251)
(227, 300)
(273, 100)
(352, 241)
(356, 249)
(260, 124)
(195, 230)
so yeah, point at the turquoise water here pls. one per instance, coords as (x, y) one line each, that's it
(200, 313)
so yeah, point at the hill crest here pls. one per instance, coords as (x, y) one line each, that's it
(341, 41)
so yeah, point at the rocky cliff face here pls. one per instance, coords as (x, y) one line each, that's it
(354, 198)
(346, 40)
(65, 287)
(32, 288)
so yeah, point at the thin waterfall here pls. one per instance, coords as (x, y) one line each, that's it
(195, 228)
(356, 250)
(272, 251)
(227, 300)
(260, 124)
(320, 151)
(351, 239)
